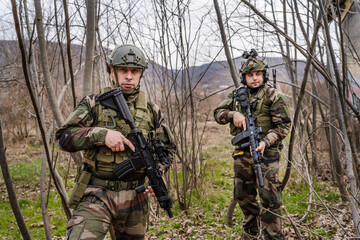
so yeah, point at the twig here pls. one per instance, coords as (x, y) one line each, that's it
(297, 232)
(309, 206)
(322, 202)
(298, 224)
(67, 171)
(48, 193)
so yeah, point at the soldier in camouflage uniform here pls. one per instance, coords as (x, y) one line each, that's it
(272, 114)
(99, 199)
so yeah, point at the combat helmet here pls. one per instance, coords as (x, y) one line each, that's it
(127, 55)
(253, 64)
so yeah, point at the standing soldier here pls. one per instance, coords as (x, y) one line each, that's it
(273, 116)
(99, 199)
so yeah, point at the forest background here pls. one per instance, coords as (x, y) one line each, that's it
(52, 53)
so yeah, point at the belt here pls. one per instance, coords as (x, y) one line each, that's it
(115, 185)
(94, 199)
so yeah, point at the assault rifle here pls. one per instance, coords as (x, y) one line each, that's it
(143, 157)
(251, 136)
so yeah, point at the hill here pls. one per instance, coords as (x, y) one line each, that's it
(209, 75)
(217, 74)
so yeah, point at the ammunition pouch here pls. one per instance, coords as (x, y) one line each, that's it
(82, 181)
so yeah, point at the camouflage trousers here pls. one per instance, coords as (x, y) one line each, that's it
(125, 210)
(267, 217)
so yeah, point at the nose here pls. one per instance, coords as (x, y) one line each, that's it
(128, 75)
(255, 77)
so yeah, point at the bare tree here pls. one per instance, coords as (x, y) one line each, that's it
(174, 39)
(34, 79)
(40, 123)
(90, 46)
(10, 188)
(44, 64)
(234, 74)
(343, 123)
(68, 49)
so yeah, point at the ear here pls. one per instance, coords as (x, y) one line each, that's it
(111, 72)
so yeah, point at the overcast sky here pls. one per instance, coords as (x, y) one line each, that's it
(204, 43)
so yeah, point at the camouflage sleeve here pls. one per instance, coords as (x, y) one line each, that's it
(280, 117)
(163, 132)
(78, 132)
(224, 113)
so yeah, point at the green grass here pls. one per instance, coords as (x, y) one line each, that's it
(31, 211)
(26, 172)
(295, 198)
(25, 177)
(204, 219)
(36, 147)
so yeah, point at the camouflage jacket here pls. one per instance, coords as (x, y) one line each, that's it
(81, 130)
(277, 110)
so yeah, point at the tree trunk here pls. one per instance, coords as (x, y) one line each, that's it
(44, 210)
(48, 82)
(68, 49)
(313, 140)
(40, 123)
(343, 123)
(230, 212)
(287, 57)
(334, 156)
(234, 73)
(60, 43)
(45, 66)
(297, 111)
(90, 44)
(9, 186)
(37, 90)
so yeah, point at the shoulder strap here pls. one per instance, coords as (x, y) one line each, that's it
(141, 101)
(260, 95)
(105, 89)
(141, 107)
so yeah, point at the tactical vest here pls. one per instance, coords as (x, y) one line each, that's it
(262, 112)
(102, 158)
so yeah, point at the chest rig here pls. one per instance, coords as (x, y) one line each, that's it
(101, 157)
(260, 107)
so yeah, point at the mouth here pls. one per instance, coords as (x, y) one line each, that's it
(127, 85)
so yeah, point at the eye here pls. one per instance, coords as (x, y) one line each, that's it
(135, 70)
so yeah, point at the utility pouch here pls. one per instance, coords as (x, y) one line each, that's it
(82, 182)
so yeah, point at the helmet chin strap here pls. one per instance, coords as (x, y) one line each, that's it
(116, 77)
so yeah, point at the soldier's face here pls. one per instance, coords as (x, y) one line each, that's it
(254, 79)
(128, 78)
